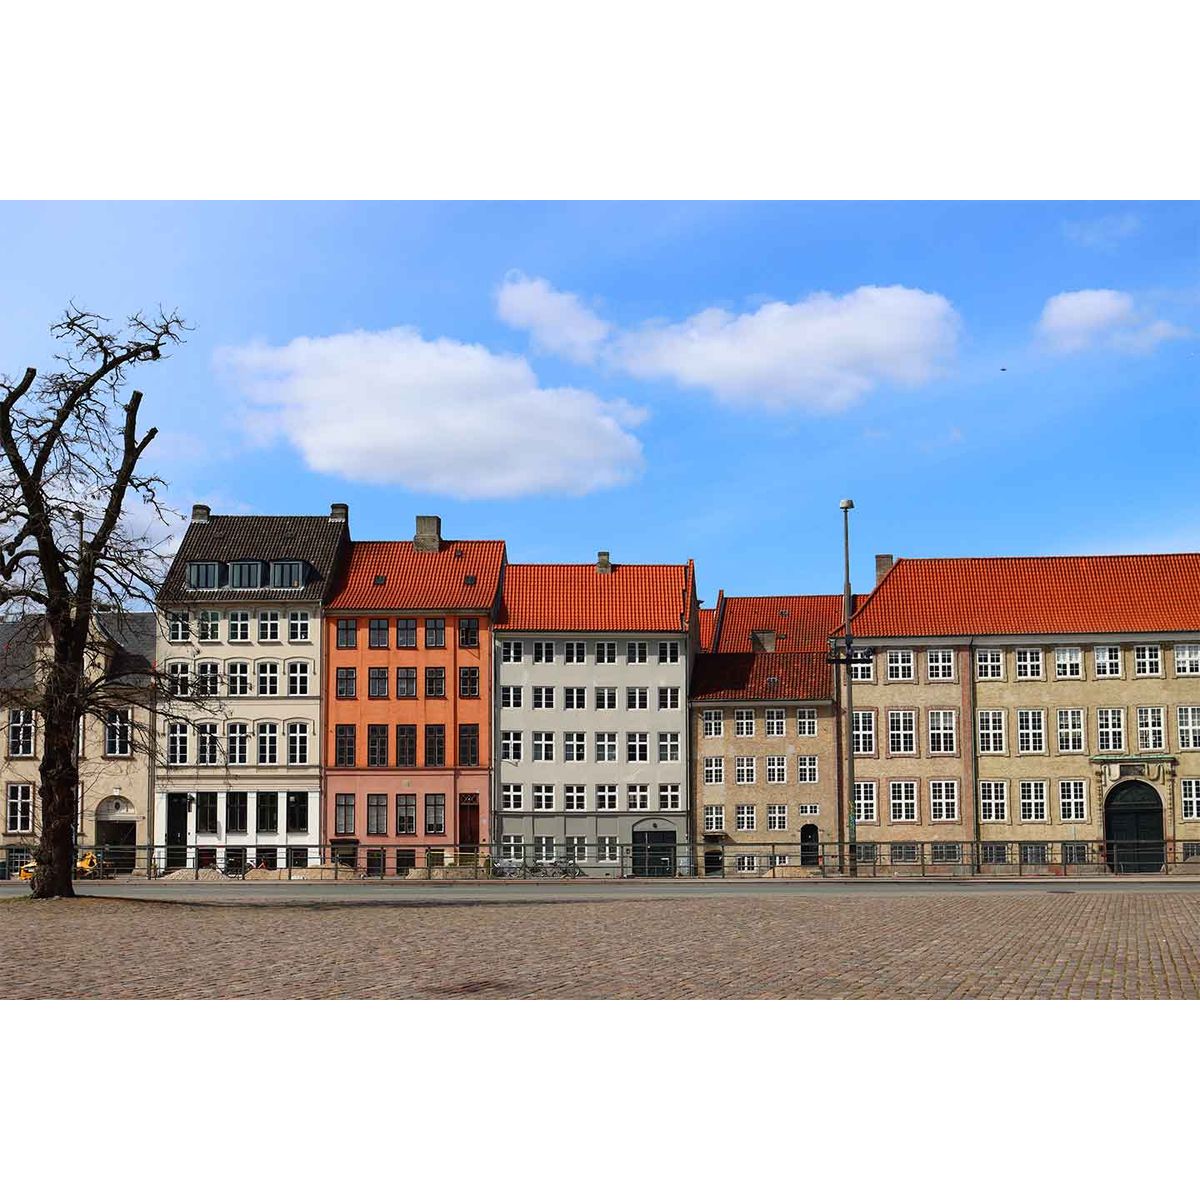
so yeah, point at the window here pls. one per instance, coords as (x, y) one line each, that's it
(574, 652)
(1068, 663)
(207, 677)
(806, 768)
(808, 810)
(178, 627)
(606, 652)
(543, 652)
(543, 849)
(1108, 661)
(377, 682)
(511, 651)
(991, 730)
(902, 732)
(468, 632)
(637, 697)
(202, 575)
(235, 812)
(406, 745)
(512, 797)
(606, 797)
(177, 743)
(668, 697)
(1033, 854)
(208, 752)
(239, 626)
(668, 796)
(20, 733)
(1033, 800)
(298, 627)
(206, 812)
(343, 819)
(863, 731)
(543, 797)
(1187, 660)
(777, 817)
(1029, 664)
(347, 683)
(714, 770)
(297, 734)
(943, 799)
(714, 818)
(940, 664)
(435, 638)
(903, 800)
(1072, 803)
(468, 745)
(435, 745)
(993, 800)
(574, 698)
(606, 697)
(864, 800)
(268, 679)
(744, 769)
(714, 722)
(268, 627)
(347, 633)
(1031, 731)
(746, 864)
(435, 813)
(637, 747)
(1150, 729)
(510, 696)
(806, 722)
(344, 745)
(406, 682)
(743, 722)
(1110, 729)
(576, 848)
(19, 809)
(1189, 727)
(574, 797)
(1075, 853)
(1189, 792)
(989, 664)
(1147, 660)
(237, 742)
(635, 652)
(178, 678)
(1070, 730)
(606, 747)
(903, 852)
(266, 812)
(994, 854)
(543, 746)
(510, 746)
(297, 679)
(237, 678)
(377, 806)
(862, 666)
(297, 812)
(774, 722)
(435, 682)
(512, 845)
(268, 743)
(900, 665)
(606, 849)
(668, 652)
(377, 633)
(287, 574)
(245, 574)
(745, 818)
(543, 697)
(943, 731)
(208, 626)
(668, 747)
(776, 768)
(377, 745)
(574, 747)
(945, 852)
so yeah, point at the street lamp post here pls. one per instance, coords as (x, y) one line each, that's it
(845, 659)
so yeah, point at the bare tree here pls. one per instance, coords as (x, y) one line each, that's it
(69, 547)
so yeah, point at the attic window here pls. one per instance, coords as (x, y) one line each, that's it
(469, 581)
(245, 574)
(287, 574)
(202, 575)
(380, 580)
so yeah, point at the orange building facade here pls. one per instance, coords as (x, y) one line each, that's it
(409, 693)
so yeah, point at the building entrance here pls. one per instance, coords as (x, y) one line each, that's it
(1133, 828)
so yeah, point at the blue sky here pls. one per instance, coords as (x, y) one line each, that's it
(661, 380)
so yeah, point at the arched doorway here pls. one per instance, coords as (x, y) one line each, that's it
(1133, 828)
(810, 850)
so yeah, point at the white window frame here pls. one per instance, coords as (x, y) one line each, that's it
(777, 818)
(743, 722)
(939, 665)
(991, 731)
(902, 731)
(1148, 655)
(992, 660)
(1072, 800)
(777, 768)
(806, 722)
(1187, 724)
(1029, 663)
(901, 666)
(1151, 727)
(943, 800)
(807, 770)
(1074, 724)
(18, 809)
(942, 729)
(993, 801)
(745, 818)
(902, 802)
(1110, 728)
(775, 722)
(1033, 806)
(862, 722)
(1187, 659)
(1068, 662)
(745, 769)
(714, 769)
(1106, 662)
(713, 720)
(1031, 731)
(866, 801)
(714, 818)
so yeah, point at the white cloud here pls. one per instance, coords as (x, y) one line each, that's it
(437, 416)
(1073, 321)
(1102, 233)
(557, 322)
(822, 353)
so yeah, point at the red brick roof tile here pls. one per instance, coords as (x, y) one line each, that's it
(708, 620)
(416, 579)
(800, 623)
(762, 677)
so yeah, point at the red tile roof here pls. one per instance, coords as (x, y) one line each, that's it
(634, 597)
(1119, 593)
(762, 677)
(801, 623)
(416, 579)
(708, 620)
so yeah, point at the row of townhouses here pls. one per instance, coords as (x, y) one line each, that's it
(301, 698)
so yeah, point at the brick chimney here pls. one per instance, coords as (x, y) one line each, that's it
(603, 563)
(428, 537)
(883, 564)
(339, 512)
(200, 514)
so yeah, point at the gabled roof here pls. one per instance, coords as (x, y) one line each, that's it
(800, 623)
(804, 676)
(130, 636)
(1073, 594)
(575, 597)
(708, 621)
(317, 541)
(421, 579)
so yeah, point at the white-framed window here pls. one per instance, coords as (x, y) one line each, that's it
(574, 652)
(714, 722)
(1070, 730)
(543, 745)
(900, 665)
(1029, 664)
(543, 697)
(179, 627)
(606, 652)
(806, 768)
(902, 800)
(668, 652)
(268, 679)
(635, 652)
(21, 733)
(863, 730)
(1072, 799)
(668, 697)
(543, 797)
(1033, 799)
(745, 864)
(574, 746)
(208, 674)
(637, 747)
(745, 818)
(806, 722)
(512, 651)
(606, 697)
(208, 625)
(177, 743)
(239, 625)
(744, 769)
(1187, 660)
(574, 698)
(943, 731)
(606, 849)
(1147, 660)
(743, 722)
(1150, 732)
(862, 666)
(606, 797)
(1110, 729)
(902, 731)
(714, 818)
(543, 849)
(637, 797)
(991, 730)
(808, 810)
(939, 664)
(669, 797)
(606, 747)
(714, 769)
(179, 675)
(637, 698)
(1031, 731)
(989, 664)
(543, 652)
(298, 676)
(297, 736)
(774, 722)
(574, 797)
(1189, 727)
(268, 626)
(237, 743)
(777, 817)
(865, 808)
(207, 744)
(777, 768)
(1189, 794)
(1107, 661)
(668, 747)
(943, 799)
(18, 816)
(298, 626)
(1068, 662)
(510, 695)
(118, 732)
(512, 845)
(993, 800)
(237, 678)
(511, 742)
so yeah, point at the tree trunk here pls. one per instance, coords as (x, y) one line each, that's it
(60, 777)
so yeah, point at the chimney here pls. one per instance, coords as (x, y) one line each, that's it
(339, 512)
(883, 564)
(603, 563)
(429, 534)
(200, 514)
(763, 640)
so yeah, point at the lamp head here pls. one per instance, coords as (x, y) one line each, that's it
(846, 504)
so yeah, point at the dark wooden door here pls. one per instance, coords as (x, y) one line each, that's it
(653, 852)
(468, 820)
(177, 822)
(1133, 828)
(810, 849)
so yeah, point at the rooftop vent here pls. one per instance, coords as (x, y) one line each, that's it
(603, 563)
(201, 513)
(458, 552)
(469, 581)
(339, 512)
(380, 580)
(428, 537)
(763, 639)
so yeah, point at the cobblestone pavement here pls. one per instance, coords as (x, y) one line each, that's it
(848, 945)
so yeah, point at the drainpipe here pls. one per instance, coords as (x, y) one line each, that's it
(970, 668)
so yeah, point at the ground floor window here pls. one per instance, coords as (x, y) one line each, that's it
(1033, 854)
(206, 812)
(19, 818)
(993, 853)
(1191, 851)
(406, 860)
(1075, 853)
(577, 849)
(904, 852)
(746, 863)
(543, 849)
(512, 845)
(266, 857)
(866, 852)
(945, 852)
(298, 855)
(779, 860)
(606, 851)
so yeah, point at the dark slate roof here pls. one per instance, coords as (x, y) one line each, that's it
(134, 635)
(18, 640)
(763, 676)
(317, 541)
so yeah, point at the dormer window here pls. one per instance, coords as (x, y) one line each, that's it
(287, 574)
(202, 575)
(245, 574)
